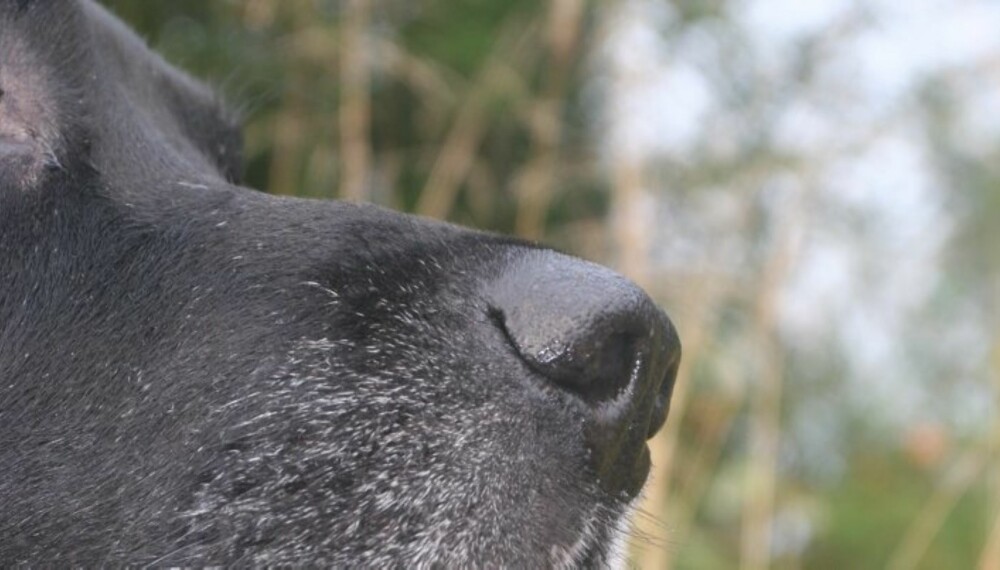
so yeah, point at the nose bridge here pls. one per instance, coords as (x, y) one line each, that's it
(595, 335)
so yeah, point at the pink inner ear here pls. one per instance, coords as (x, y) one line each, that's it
(27, 99)
(21, 152)
(13, 127)
(25, 112)
(29, 131)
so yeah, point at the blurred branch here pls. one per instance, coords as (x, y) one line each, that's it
(715, 431)
(696, 323)
(500, 72)
(632, 236)
(766, 394)
(482, 190)
(697, 318)
(355, 103)
(630, 213)
(535, 183)
(989, 559)
(962, 474)
(289, 128)
(427, 79)
(258, 14)
(288, 131)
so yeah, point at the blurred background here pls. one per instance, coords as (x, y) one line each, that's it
(809, 188)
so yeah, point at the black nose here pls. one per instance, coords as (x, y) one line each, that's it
(596, 335)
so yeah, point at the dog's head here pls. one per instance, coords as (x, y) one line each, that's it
(192, 372)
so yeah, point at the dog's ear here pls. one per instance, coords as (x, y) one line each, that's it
(77, 87)
(163, 101)
(42, 107)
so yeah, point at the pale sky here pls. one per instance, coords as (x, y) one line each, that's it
(872, 247)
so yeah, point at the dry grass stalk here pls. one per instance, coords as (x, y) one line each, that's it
(355, 104)
(707, 294)
(428, 80)
(535, 183)
(963, 473)
(653, 536)
(989, 559)
(766, 394)
(289, 130)
(687, 497)
(457, 153)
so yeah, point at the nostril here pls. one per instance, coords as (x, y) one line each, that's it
(595, 365)
(599, 372)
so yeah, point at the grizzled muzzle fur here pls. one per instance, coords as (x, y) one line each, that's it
(194, 373)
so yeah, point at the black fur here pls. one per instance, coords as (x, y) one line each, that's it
(192, 372)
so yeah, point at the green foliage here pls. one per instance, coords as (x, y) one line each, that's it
(282, 68)
(461, 34)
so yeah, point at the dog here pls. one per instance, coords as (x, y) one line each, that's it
(196, 373)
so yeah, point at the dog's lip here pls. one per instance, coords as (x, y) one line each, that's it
(642, 467)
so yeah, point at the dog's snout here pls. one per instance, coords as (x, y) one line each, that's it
(596, 335)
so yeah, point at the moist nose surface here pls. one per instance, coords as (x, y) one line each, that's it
(596, 335)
